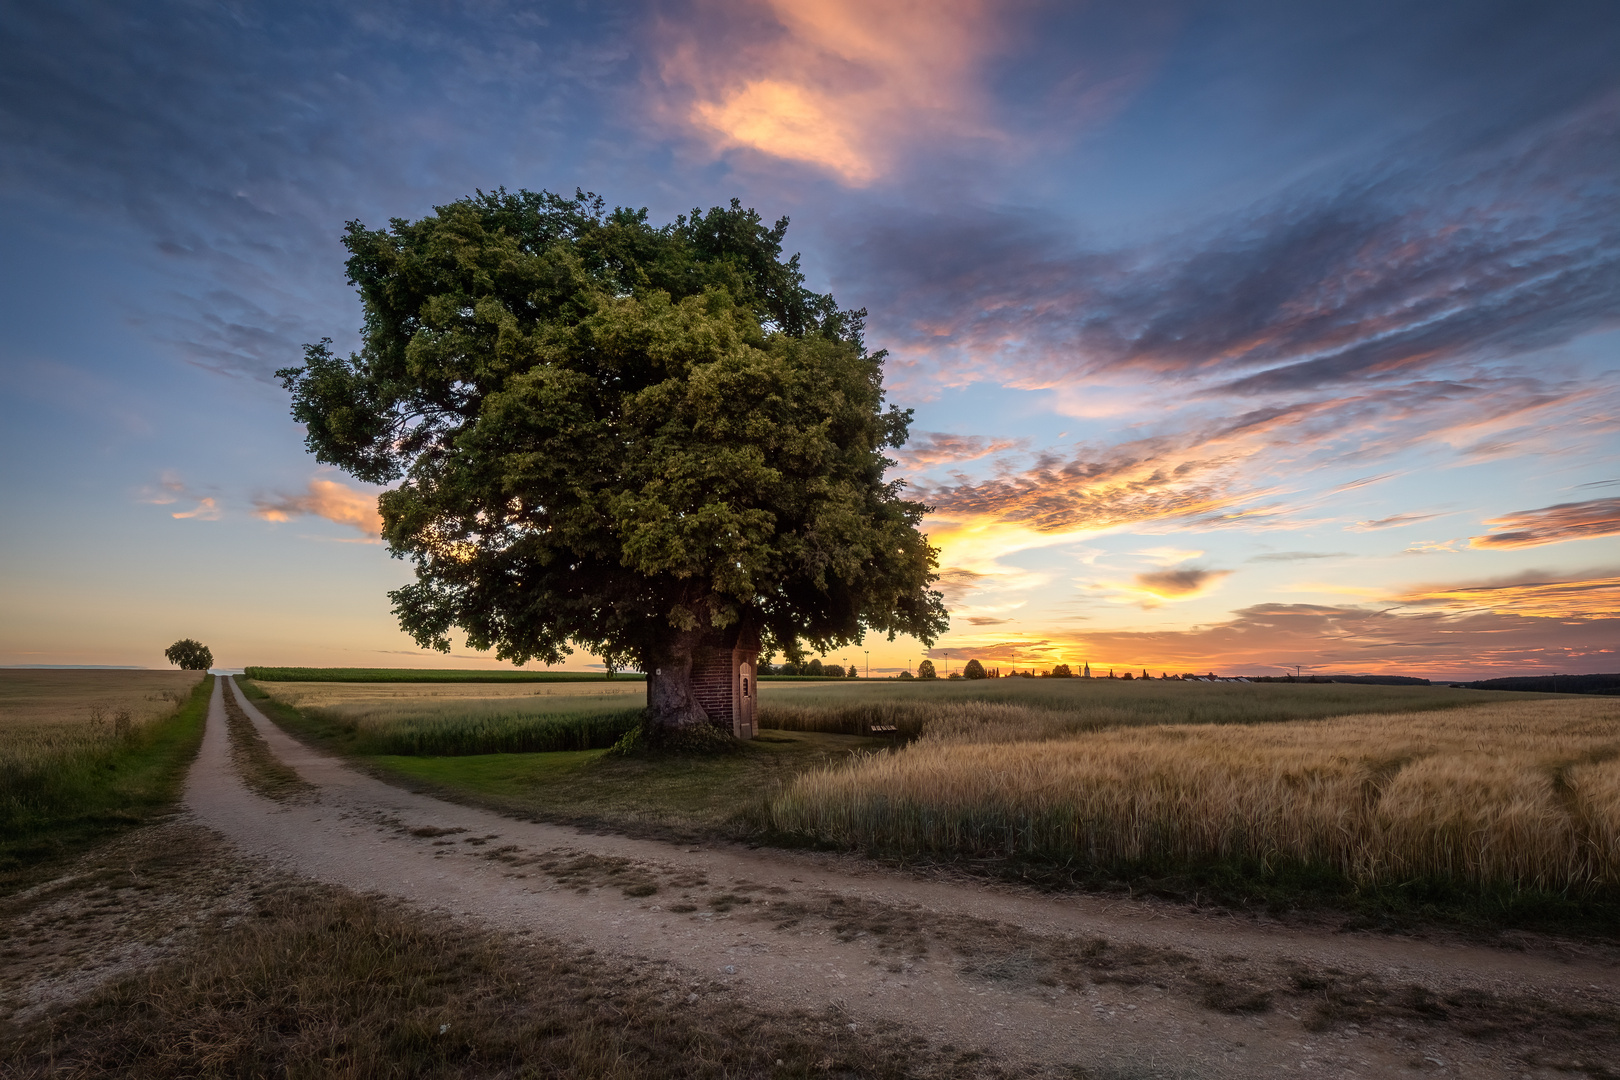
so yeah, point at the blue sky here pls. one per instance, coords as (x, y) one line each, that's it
(1238, 334)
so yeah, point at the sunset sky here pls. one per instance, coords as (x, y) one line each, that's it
(1240, 335)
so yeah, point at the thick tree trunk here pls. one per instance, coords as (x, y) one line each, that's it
(670, 700)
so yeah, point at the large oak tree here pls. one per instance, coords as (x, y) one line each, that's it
(618, 436)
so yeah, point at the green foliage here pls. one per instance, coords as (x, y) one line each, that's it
(425, 675)
(973, 670)
(51, 804)
(611, 433)
(647, 738)
(1061, 671)
(190, 655)
(833, 671)
(925, 670)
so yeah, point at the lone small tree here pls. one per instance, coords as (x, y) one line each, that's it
(925, 670)
(190, 655)
(973, 670)
(627, 438)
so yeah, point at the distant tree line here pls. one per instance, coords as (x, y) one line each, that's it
(1551, 684)
(812, 669)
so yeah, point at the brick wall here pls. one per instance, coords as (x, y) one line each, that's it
(712, 672)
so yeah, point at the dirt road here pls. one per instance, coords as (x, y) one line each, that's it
(1116, 988)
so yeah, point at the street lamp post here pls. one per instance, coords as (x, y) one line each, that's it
(868, 663)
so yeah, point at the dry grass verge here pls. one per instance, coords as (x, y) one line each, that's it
(1523, 794)
(323, 983)
(121, 906)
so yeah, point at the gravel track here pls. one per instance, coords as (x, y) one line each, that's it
(960, 963)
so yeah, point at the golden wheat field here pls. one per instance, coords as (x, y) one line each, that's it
(44, 712)
(1523, 793)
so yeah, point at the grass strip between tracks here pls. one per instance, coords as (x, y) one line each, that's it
(260, 769)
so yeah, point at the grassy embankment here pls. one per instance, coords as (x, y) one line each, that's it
(84, 754)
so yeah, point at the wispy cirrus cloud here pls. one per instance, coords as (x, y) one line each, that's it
(1542, 594)
(172, 489)
(1381, 278)
(1393, 521)
(207, 509)
(1296, 556)
(327, 499)
(926, 449)
(1552, 525)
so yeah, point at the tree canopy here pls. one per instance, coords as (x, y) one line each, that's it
(189, 655)
(618, 436)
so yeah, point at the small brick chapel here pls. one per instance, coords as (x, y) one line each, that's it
(725, 680)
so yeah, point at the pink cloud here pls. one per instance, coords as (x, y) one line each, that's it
(928, 448)
(326, 499)
(1331, 639)
(838, 84)
(1553, 525)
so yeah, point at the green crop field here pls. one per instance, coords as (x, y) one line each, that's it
(428, 675)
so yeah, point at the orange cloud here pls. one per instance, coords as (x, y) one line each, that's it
(1267, 638)
(1193, 476)
(206, 510)
(1535, 594)
(832, 83)
(1553, 525)
(326, 499)
(1182, 584)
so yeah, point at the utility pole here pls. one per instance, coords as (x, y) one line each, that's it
(868, 663)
